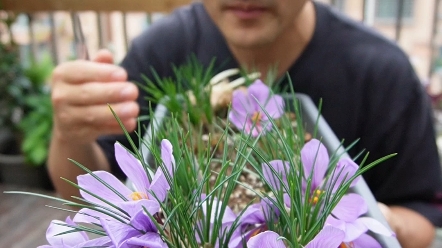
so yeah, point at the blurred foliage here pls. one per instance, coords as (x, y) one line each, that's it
(25, 104)
(36, 124)
(13, 82)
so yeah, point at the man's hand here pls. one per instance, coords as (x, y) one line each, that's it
(412, 229)
(81, 92)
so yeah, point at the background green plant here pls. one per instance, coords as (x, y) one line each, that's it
(25, 105)
(36, 124)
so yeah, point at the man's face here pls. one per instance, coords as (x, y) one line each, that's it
(253, 23)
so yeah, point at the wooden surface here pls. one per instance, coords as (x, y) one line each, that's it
(94, 5)
(24, 219)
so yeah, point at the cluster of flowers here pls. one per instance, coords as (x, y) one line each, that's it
(142, 216)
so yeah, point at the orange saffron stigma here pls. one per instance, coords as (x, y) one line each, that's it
(348, 245)
(256, 232)
(138, 196)
(256, 117)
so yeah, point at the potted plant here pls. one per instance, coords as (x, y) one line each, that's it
(242, 175)
(25, 118)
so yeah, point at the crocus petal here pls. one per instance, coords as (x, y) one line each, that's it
(167, 156)
(118, 232)
(132, 168)
(142, 221)
(241, 104)
(345, 169)
(314, 157)
(365, 240)
(335, 222)
(287, 200)
(260, 96)
(98, 242)
(266, 239)
(280, 168)
(151, 240)
(89, 183)
(274, 107)
(271, 212)
(258, 92)
(239, 121)
(69, 221)
(86, 215)
(236, 239)
(328, 237)
(375, 226)
(253, 215)
(66, 240)
(350, 207)
(353, 230)
(133, 207)
(228, 217)
(159, 186)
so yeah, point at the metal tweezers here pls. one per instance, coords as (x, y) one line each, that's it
(81, 51)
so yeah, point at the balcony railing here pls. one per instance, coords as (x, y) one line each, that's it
(106, 21)
(92, 5)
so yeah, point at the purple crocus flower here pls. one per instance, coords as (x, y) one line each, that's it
(140, 232)
(315, 161)
(249, 108)
(142, 188)
(253, 221)
(228, 217)
(346, 216)
(72, 239)
(328, 237)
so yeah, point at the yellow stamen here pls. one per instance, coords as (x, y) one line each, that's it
(315, 200)
(318, 192)
(138, 196)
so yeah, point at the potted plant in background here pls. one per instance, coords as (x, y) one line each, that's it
(25, 116)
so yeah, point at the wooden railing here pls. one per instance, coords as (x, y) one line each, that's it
(103, 21)
(92, 5)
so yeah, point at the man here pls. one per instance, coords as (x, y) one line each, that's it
(367, 85)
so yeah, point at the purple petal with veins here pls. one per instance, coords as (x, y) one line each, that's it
(315, 160)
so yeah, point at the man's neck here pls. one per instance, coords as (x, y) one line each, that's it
(281, 54)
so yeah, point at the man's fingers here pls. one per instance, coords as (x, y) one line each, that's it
(97, 116)
(80, 71)
(115, 128)
(104, 56)
(95, 93)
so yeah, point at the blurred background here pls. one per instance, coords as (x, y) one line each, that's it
(37, 35)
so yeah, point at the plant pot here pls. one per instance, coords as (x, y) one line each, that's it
(311, 117)
(15, 171)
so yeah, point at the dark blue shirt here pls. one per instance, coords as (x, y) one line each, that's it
(368, 88)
